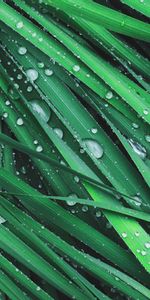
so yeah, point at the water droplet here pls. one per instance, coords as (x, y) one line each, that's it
(137, 233)
(41, 108)
(95, 149)
(94, 130)
(76, 68)
(38, 288)
(109, 95)
(39, 148)
(143, 252)
(5, 115)
(72, 202)
(2, 220)
(76, 178)
(98, 214)
(22, 50)
(7, 102)
(145, 111)
(32, 74)
(137, 201)
(147, 138)
(40, 65)
(147, 245)
(84, 208)
(59, 132)
(48, 72)
(19, 25)
(134, 125)
(138, 149)
(35, 142)
(19, 121)
(124, 234)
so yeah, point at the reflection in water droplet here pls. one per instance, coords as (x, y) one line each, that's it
(95, 149)
(41, 108)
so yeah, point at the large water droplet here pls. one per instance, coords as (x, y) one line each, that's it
(95, 149)
(39, 148)
(138, 149)
(32, 74)
(42, 109)
(2, 220)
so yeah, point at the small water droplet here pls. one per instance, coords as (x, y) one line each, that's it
(22, 50)
(19, 121)
(76, 68)
(143, 252)
(48, 72)
(145, 111)
(19, 25)
(98, 214)
(134, 125)
(94, 130)
(124, 234)
(5, 115)
(147, 138)
(109, 95)
(84, 208)
(59, 132)
(39, 148)
(147, 245)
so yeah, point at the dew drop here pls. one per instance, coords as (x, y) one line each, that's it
(22, 50)
(124, 234)
(94, 130)
(134, 125)
(40, 65)
(109, 95)
(84, 208)
(98, 214)
(145, 111)
(39, 148)
(147, 245)
(41, 108)
(59, 132)
(143, 252)
(32, 74)
(138, 149)
(72, 202)
(19, 25)
(2, 220)
(147, 138)
(76, 68)
(48, 72)
(95, 149)
(19, 121)
(5, 115)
